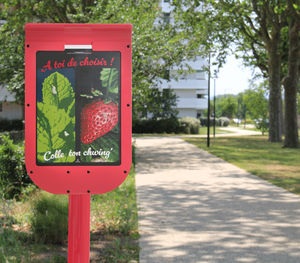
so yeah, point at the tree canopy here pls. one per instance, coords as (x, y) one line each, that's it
(226, 106)
(157, 45)
(265, 34)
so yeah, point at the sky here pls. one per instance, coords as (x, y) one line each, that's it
(233, 77)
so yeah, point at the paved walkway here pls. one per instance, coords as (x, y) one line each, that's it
(194, 207)
(228, 132)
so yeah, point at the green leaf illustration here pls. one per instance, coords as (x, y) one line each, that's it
(56, 120)
(57, 90)
(110, 79)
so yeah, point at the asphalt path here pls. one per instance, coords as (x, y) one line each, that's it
(195, 207)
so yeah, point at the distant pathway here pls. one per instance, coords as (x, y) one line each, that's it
(194, 207)
(240, 131)
(232, 131)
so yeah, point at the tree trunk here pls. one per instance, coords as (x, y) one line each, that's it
(290, 86)
(275, 107)
(282, 115)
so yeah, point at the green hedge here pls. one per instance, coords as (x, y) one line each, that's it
(187, 125)
(11, 125)
(170, 125)
(221, 122)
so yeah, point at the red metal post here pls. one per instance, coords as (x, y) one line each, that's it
(79, 228)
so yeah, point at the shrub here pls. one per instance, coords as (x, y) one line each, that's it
(49, 220)
(203, 121)
(13, 176)
(262, 124)
(155, 126)
(17, 136)
(11, 249)
(189, 125)
(223, 121)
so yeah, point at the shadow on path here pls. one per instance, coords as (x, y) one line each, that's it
(194, 207)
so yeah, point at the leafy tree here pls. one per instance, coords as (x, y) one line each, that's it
(298, 99)
(157, 45)
(257, 106)
(257, 35)
(262, 32)
(226, 106)
(168, 99)
(157, 104)
(291, 80)
(241, 108)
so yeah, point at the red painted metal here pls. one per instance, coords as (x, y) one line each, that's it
(79, 229)
(78, 181)
(53, 37)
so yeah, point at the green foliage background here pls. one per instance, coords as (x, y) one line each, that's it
(156, 45)
(13, 176)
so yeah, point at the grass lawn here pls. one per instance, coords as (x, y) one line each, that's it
(114, 229)
(280, 166)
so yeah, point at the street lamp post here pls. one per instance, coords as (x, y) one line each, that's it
(208, 103)
(214, 107)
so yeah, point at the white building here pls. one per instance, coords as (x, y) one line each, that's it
(8, 107)
(191, 89)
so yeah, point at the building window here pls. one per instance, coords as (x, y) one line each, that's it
(183, 76)
(1, 107)
(200, 74)
(166, 18)
(197, 74)
(166, 1)
(167, 74)
(200, 96)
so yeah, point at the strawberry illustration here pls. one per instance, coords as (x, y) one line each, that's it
(97, 119)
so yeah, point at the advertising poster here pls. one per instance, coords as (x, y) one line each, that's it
(78, 107)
